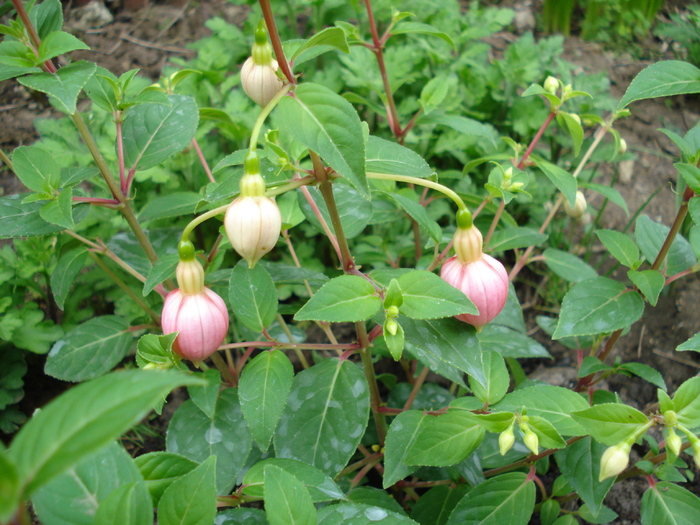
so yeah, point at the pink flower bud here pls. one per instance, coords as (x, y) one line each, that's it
(253, 226)
(260, 81)
(484, 282)
(201, 320)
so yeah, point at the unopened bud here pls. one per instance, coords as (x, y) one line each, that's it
(575, 117)
(508, 174)
(614, 460)
(577, 211)
(695, 444)
(531, 441)
(673, 441)
(392, 311)
(190, 277)
(253, 225)
(506, 440)
(468, 244)
(551, 85)
(258, 75)
(623, 146)
(670, 418)
(392, 326)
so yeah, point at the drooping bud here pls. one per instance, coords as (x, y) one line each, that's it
(468, 244)
(551, 85)
(579, 208)
(253, 221)
(695, 445)
(532, 442)
(506, 440)
(258, 74)
(673, 441)
(614, 460)
(189, 272)
(623, 146)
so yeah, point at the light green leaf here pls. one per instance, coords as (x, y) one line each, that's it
(160, 469)
(645, 372)
(163, 268)
(332, 37)
(36, 168)
(347, 298)
(515, 237)
(669, 504)
(385, 156)
(287, 502)
(205, 396)
(168, 206)
(686, 402)
(263, 390)
(662, 79)
(403, 431)
(691, 344)
(60, 210)
(90, 349)
(59, 43)
(649, 282)
(562, 179)
(609, 193)
(464, 125)
(497, 379)
(405, 27)
(568, 266)
(650, 237)
(326, 123)
(64, 86)
(130, 504)
(445, 440)
(427, 296)
(573, 127)
(153, 132)
(691, 175)
(325, 417)
(596, 306)
(620, 246)
(610, 423)
(9, 487)
(433, 93)
(253, 296)
(191, 499)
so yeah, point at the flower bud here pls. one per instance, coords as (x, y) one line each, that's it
(614, 460)
(258, 74)
(190, 277)
(623, 146)
(484, 282)
(468, 244)
(575, 117)
(670, 417)
(695, 445)
(200, 319)
(551, 85)
(531, 441)
(673, 441)
(577, 211)
(506, 440)
(253, 226)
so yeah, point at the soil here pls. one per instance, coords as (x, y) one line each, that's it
(148, 38)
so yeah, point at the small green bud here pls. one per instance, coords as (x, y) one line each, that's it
(670, 418)
(464, 219)
(551, 85)
(186, 250)
(623, 146)
(531, 441)
(673, 441)
(392, 326)
(506, 440)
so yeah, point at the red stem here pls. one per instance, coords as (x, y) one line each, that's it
(120, 152)
(195, 144)
(275, 40)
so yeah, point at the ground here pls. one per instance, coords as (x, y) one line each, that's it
(146, 39)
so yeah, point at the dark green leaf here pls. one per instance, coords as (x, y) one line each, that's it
(327, 124)
(445, 440)
(562, 179)
(325, 417)
(509, 343)
(650, 237)
(649, 282)
(70, 263)
(355, 212)
(163, 268)
(130, 504)
(645, 372)
(497, 379)
(287, 502)
(263, 390)
(359, 514)
(662, 79)
(160, 469)
(191, 499)
(168, 206)
(241, 516)
(253, 296)
(668, 504)
(568, 266)
(400, 438)
(464, 125)
(64, 86)
(516, 237)
(418, 214)
(47, 17)
(620, 246)
(205, 396)
(404, 27)
(597, 306)
(691, 175)
(609, 193)
(9, 487)
(435, 506)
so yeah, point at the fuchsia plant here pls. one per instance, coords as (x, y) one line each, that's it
(350, 218)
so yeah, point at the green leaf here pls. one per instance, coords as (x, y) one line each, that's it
(130, 504)
(435, 506)
(327, 124)
(610, 423)
(580, 464)
(418, 214)
(384, 156)
(160, 469)
(89, 350)
(9, 487)
(60, 210)
(253, 296)
(691, 344)
(547, 434)
(263, 390)
(241, 516)
(101, 91)
(515, 237)
(58, 43)
(169, 206)
(347, 298)
(568, 266)
(290, 210)
(620, 246)
(597, 306)
(153, 132)
(355, 212)
(497, 379)
(434, 93)
(359, 514)
(320, 486)
(508, 498)
(404, 27)
(64, 86)
(591, 365)
(325, 417)
(403, 431)
(650, 237)
(196, 436)
(375, 497)
(163, 268)
(192, 498)
(157, 349)
(686, 402)
(75, 496)
(662, 79)
(287, 274)
(333, 37)
(573, 128)
(445, 440)
(427, 296)
(552, 403)
(36, 168)
(447, 346)
(649, 282)
(287, 502)
(668, 504)
(84, 419)
(609, 193)
(205, 396)
(464, 125)
(562, 179)
(47, 17)
(645, 372)
(536, 89)
(70, 263)
(691, 175)
(509, 343)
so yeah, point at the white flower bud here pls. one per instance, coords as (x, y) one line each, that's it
(577, 211)
(614, 460)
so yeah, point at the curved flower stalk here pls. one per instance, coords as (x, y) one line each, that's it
(481, 277)
(253, 221)
(259, 72)
(198, 315)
